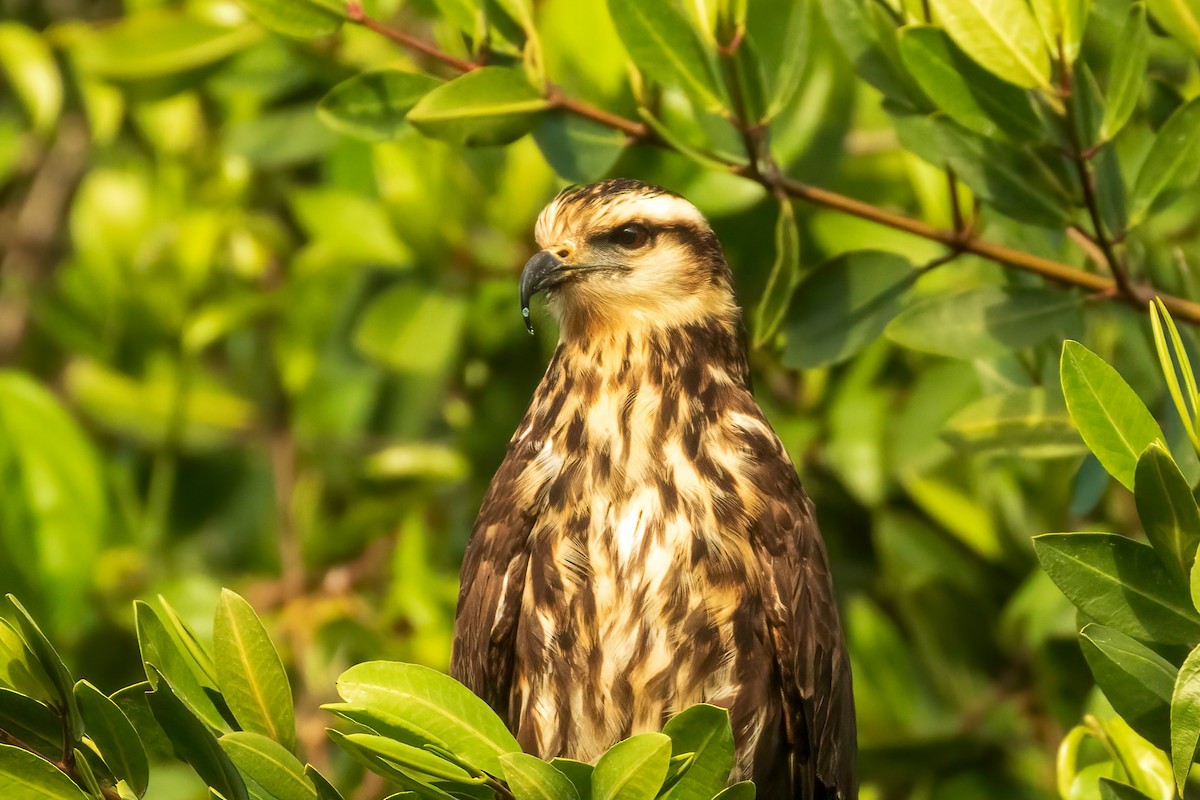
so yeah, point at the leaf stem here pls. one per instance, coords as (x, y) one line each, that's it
(1118, 287)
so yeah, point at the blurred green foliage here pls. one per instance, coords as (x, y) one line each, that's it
(259, 325)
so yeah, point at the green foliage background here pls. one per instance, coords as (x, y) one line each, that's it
(262, 335)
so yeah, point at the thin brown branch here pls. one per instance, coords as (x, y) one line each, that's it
(1064, 274)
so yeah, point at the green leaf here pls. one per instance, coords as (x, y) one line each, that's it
(986, 321)
(1029, 422)
(300, 19)
(578, 149)
(705, 731)
(743, 790)
(530, 778)
(159, 43)
(325, 789)
(411, 759)
(388, 770)
(867, 34)
(1128, 72)
(185, 637)
(114, 736)
(32, 722)
(375, 720)
(1167, 509)
(1185, 718)
(434, 703)
(85, 774)
(161, 653)
(1179, 18)
(665, 46)
(491, 105)
(1002, 35)
(785, 274)
(1135, 679)
(1010, 178)
(193, 741)
(578, 773)
(1173, 161)
(250, 673)
(29, 63)
(1120, 583)
(19, 668)
(269, 764)
(372, 106)
(1112, 790)
(782, 35)
(412, 329)
(843, 305)
(1062, 21)
(633, 769)
(969, 94)
(52, 664)
(25, 776)
(1111, 418)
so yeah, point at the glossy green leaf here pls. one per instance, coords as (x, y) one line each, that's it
(300, 19)
(405, 779)
(34, 723)
(1110, 417)
(843, 305)
(1167, 509)
(372, 719)
(25, 776)
(432, 702)
(373, 105)
(52, 664)
(665, 46)
(269, 764)
(530, 778)
(189, 641)
(29, 64)
(867, 34)
(782, 34)
(705, 731)
(411, 759)
(193, 741)
(578, 149)
(1173, 161)
(114, 736)
(1135, 679)
(1185, 718)
(86, 775)
(633, 769)
(578, 773)
(250, 673)
(1028, 422)
(325, 789)
(743, 790)
(1180, 19)
(19, 668)
(492, 105)
(986, 321)
(969, 94)
(1062, 23)
(1119, 583)
(1002, 35)
(161, 653)
(785, 274)
(1128, 73)
(159, 43)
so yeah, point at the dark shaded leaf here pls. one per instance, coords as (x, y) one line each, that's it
(1135, 679)
(665, 46)
(373, 106)
(114, 736)
(578, 149)
(491, 105)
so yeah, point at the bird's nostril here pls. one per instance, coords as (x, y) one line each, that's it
(563, 252)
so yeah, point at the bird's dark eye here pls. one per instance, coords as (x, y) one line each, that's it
(631, 236)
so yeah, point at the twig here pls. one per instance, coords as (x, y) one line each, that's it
(1180, 308)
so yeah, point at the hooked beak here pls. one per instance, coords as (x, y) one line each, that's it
(541, 272)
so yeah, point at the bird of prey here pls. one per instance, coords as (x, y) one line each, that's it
(646, 544)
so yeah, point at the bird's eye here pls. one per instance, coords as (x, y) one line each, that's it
(631, 236)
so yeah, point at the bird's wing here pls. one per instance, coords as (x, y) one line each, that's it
(810, 650)
(492, 582)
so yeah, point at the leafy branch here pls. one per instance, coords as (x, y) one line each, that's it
(962, 240)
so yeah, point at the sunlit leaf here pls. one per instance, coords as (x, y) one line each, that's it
(633, 769)
(269, 764)
(743, 790)
(1185, 718)
(193, 741)
(1167, 509)
(1111, 418)
(1128, 72)
(300, 19)
(705, 731)
(492, 105)
(26, 776)
(1027, 422)
(28, 62)
(1002, 35)
(1179, 18)
(250, 673)
(530, 778)
(115, 737)
(50, 662)
(162, 654)
(785, 274)
(1119, 583)
(1135, 679)
(1062, 22)
(1173, 161)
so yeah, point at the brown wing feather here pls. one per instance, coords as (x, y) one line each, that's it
(810, 650)
(492, 580)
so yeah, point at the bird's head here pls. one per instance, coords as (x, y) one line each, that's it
(623, 254)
